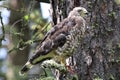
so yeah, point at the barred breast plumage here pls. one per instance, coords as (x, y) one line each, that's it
(73, 40)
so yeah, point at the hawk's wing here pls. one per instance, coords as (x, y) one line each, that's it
(55, 38)
(59, 30)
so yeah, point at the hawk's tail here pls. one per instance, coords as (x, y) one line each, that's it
(39, 56)
(25, 68)
(35, 60)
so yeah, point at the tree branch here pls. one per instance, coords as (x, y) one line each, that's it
(3, 30)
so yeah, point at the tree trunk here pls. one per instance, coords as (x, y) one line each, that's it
(17, 57)
(17, 24)
(98, 54)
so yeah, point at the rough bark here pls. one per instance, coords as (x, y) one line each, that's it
(98, 54)
(101, 43)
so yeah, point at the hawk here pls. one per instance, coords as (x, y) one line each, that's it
(62, 40)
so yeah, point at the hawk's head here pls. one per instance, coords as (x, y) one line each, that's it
(78, 11)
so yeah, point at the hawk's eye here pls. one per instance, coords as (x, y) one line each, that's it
(79, 10)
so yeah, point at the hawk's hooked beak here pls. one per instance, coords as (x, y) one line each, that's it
(86, 13)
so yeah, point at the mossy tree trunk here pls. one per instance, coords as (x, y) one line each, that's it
(98, 56)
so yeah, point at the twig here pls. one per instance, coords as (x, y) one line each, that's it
(14, 25)
(45, 27)
(3, 29)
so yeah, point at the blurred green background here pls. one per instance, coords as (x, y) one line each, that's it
(23, 24)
